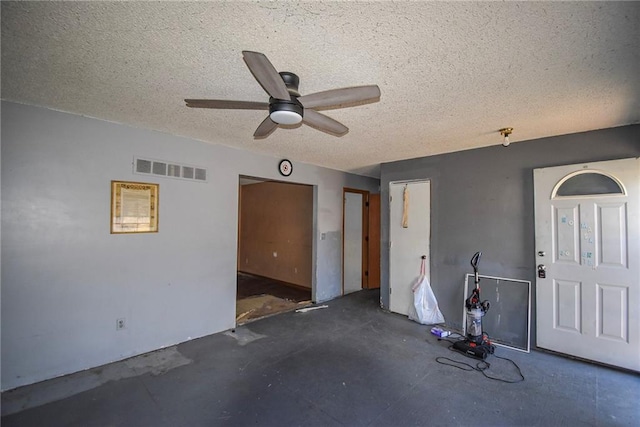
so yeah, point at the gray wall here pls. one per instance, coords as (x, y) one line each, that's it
(66, 279)
(482, 200)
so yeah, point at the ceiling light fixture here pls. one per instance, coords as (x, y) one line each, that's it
(285, 112)
(506, 132)
(286, 117)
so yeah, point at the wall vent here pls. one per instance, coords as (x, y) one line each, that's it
(159, 168)
(143, 166)
(201, 174)
(187, 172)
(174, 171)
(169, 169)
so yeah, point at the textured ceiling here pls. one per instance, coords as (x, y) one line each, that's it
(451, 73)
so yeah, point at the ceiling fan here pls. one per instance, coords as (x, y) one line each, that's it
(286, 106)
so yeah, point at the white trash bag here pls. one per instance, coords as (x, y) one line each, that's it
(424, 308)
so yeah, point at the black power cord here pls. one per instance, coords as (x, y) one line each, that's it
(482, 366)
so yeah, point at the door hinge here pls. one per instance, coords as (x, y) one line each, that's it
(390, 199)
(366, 239)
(367, 204)
(390, 245)
(389, 291)
(366, 273)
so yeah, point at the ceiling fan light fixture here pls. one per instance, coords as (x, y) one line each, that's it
(283, 117)
(285, 112)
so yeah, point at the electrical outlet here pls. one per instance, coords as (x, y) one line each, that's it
(120, 324)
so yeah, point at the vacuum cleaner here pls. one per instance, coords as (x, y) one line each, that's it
(476, 343)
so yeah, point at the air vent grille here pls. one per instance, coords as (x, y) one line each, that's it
(174, 171)
(201, 174)
(187, 172)
(169, 169)
(143, 166)
(159, 168)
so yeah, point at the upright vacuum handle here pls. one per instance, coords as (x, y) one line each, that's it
(475, 259)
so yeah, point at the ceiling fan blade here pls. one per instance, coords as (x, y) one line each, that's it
(324, 123)
(265, 128)
(338, 97)
(266, 74)
(226, 105)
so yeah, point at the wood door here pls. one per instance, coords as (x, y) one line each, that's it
(588, 257)
(374, 241)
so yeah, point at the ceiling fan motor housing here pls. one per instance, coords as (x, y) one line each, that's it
(291, 81)
(287, 112)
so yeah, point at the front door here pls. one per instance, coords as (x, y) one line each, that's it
(409, 233)
(588, 261)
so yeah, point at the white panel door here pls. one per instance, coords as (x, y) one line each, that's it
(407, 245)
(588, 261)
(352, 279)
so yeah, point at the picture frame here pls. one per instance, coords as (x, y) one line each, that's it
(134, 207)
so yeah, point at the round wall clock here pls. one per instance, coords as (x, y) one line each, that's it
(285, 167)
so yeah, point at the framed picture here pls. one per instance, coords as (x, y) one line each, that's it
(134, 207)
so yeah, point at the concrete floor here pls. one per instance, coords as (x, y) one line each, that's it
(351, 364)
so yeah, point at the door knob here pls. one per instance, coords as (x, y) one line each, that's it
(542, 271)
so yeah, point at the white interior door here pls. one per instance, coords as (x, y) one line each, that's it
(588, 260)
(407, 244)
(352, 279)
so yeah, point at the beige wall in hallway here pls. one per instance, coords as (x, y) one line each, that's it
(276, 230)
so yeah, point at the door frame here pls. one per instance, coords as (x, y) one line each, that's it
(364, 282)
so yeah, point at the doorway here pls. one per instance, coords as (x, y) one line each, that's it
(410, 235)
(360, 240)
(354, 247)
(275, 238)
(588, 261)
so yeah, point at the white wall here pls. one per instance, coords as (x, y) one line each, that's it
(66, 279)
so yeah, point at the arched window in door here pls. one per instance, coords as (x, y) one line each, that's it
(588, 183)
